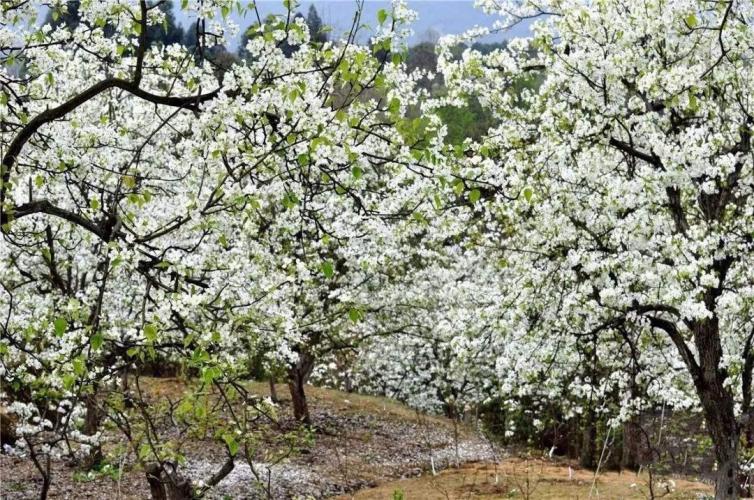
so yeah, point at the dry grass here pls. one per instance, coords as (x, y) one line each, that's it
(535, 479)
(346, 403)
(343, 403)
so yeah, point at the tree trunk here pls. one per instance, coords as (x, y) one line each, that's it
(724, 431)
(632, 445)
(273, 391)
(718, 406)
(156, 488)
(298, 375)
(46, 481)
(92, 418)
(588, 441)
(124, 380)
(92, 421)
(166, 486)
(8, 423)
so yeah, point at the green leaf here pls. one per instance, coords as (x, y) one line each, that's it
(150, 332)
(382, 16)
(39, 181)
(458, 188)
(232, 444)
(327, 269)
(438, 201)
(693, 103)
(528, 193)
(79, 368)
(474, 195)
(395, 105)
(94, 204)
(357, 173)
(61, 325)
(691, 20)
(210, 374)
(355, 315)
(199, 355)
(96, 341)
(290, 200)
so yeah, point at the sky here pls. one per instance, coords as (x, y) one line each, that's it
(441, 17)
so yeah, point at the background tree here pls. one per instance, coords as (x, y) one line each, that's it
(167, 31)
(628, 170)
(316, 28)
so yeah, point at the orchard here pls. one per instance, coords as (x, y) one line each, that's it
(575, 277)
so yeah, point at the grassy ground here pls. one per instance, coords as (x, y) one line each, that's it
(534, 479)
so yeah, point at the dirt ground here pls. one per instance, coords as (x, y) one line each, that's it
(358, 442)
(535, 479)
(363, 448)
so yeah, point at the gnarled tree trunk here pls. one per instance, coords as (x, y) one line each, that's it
(167, 486)
(298, 375)
(718, 406)
(725, 433)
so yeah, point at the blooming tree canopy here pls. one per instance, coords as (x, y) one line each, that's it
(623, 182)
(155, 206)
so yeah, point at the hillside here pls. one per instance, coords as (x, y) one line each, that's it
(362, 447)
(358, 441)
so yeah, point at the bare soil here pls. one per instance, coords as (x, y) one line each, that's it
(358, 441)
(535, 479)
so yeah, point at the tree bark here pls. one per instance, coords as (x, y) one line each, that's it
(298, 375)
(632, 445)
(92, 418)
(718, 406)
(166, 486)
(588, 441)
(273, 391)
(92, 421)
(724, 431)
(156, 488)
(7, 427)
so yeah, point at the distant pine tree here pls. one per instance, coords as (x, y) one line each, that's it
(314, 22)
(167, 33)
(67, 17)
